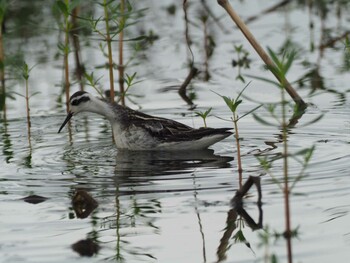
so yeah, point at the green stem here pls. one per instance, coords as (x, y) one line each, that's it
(28, 114)
(239, 162)
(65, 59)
(286, 186)
(110, 56)
(121, 65)
(27, 103)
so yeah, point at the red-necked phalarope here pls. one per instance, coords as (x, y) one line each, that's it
(135, 130)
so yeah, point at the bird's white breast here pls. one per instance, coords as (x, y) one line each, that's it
(132, 138)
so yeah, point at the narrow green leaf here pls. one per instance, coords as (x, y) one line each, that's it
(246, 86)
(262, 121)
(206, 113)
(229, 103)
(274, 58)
(309, 154)
(35, 93)
(249, 112)
(290, 60)
(238, 48)
(63, 8)
(19, 94)
(73, 4)
(265, 80)
(312, 121)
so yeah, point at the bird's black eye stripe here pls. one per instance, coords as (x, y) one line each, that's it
(77, 101)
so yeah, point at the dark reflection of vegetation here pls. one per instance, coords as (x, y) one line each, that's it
(237, 216)
(3, 7)
(7, 144)
(134, 216)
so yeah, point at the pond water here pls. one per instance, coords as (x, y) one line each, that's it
(174, 207)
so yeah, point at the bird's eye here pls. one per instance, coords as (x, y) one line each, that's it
(77, 101)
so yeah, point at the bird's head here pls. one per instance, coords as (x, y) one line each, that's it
(79, 101)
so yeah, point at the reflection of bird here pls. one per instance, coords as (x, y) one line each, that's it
(134, 130)
(142, 164)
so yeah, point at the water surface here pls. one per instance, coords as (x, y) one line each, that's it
(173, 207)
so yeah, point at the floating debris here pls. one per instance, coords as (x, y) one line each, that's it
(83, 203)
(34, 199)
(86, 247)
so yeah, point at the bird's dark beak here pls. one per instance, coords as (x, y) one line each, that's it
(69, 116)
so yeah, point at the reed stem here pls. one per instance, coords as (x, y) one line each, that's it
(65, 60)
(263, 55)
(28, 113)
(27, 106)
(76, 43)
(239, 161)
(110, 55)
(286, 180)
(121, 62)
(2, 72)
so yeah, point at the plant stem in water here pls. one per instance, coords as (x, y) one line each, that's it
(240, 169)
(109, 46)
(286, 185)
(261, 52)
(2, 72)
(65, 59)
(121, 63)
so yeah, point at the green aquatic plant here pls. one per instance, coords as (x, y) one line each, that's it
(25, 70)
(232, 104)
(346, 59)
(3, 9)
(94, 83)
(116, 19)
(286, 184)
(129, 81)
(121, 68)
(242, 61)
(204, 115)
(263, 55)
(65, 8)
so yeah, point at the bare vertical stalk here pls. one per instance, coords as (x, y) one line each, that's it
(110, 55)
(118, 255)
(121, 63)
(65, 59)
(206, 47)
(75, 38)
(193, 70)
(2, 65)
(28, 111)
(263, 55)
(239, 161)
(27, 106)
(286, 183)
